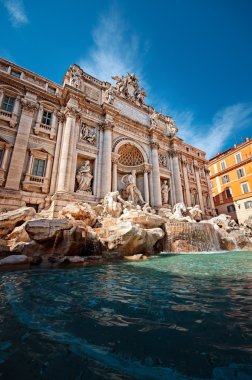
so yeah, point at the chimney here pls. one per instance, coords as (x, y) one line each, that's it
(247, 139)
(235, 145)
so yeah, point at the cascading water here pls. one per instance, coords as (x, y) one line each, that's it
(191, 237)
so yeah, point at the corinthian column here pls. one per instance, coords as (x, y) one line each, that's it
(146, 184)
(66, 152)
(176, 177)
(57, 152)
(115, 158)
(201, 203)
(21, 143)
(187, 187)
(106, 159)
(156, 175)
(207, 172)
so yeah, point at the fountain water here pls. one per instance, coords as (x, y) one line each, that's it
(190, 237)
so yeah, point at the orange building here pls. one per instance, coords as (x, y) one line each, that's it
(231, 181)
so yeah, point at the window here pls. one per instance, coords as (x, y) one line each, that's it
(231, 208)
(187, 149)
(47, 118)
(228, 192)
(198, 154)
(15, 74)
(8, 104)
(52, 90)
(245, 187)
(248, 204)
(238, 158)
(223, 165)
(240, 173)
(225, 179)
(39, 167)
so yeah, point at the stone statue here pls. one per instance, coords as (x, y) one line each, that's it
(171, 127)
(88, 134)
(154, 118)
(84, 178)
(195, 212)
(110, 205)
(162, 160)
(75, 76)
(127, 87)
(133, 193)
(165, 191)
(110, 95)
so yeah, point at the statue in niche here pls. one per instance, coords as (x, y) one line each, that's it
(133, 193)
(84, 178)
(165, 192)
(88, 134)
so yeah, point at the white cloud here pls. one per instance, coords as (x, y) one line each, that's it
(116, 51)
(16, 12)
(212, 137)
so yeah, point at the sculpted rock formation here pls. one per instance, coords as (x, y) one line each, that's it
(112, 230)
(79, 211)
(9, 220)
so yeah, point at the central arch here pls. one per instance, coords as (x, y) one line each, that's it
(130, 155)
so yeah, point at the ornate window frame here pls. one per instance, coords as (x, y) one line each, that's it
(38, 183)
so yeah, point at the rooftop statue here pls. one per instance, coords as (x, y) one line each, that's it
(127, 87)
(171, 127)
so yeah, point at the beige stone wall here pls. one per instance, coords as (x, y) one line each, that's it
(85, 125)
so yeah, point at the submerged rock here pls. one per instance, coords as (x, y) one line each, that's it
(136, 257)
(14, 260)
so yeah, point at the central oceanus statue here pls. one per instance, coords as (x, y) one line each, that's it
(133, 193)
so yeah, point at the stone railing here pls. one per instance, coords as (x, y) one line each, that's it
(32, 181)
(44, 128)
(9, 117)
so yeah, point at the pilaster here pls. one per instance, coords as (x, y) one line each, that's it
(21, 144)
(156, 175)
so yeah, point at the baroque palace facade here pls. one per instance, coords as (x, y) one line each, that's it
(231, 181)
(81, 140)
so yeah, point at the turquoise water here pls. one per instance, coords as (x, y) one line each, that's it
(171, 317)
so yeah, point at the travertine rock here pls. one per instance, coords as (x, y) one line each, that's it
(181, 245)
(9, 220)
(14, 260)
(143, 219)
(43, 230)
(248, 222)
(79, 211)
(129, 239)
(242, 241)
(228, 243)
(19, 234)
(138, 257)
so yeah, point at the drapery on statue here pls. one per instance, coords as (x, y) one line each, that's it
(133, 193)
(165, 191)
(84, 178)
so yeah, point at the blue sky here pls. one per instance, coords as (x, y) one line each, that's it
(194, 57)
